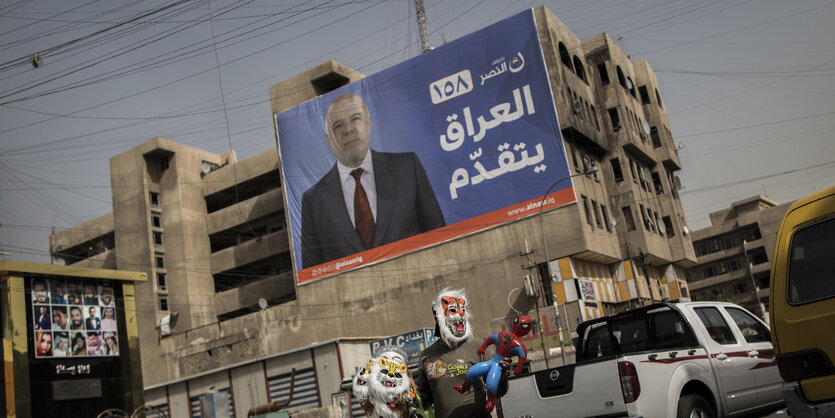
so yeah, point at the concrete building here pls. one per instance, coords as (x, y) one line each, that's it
(735, 253)
(210, 232)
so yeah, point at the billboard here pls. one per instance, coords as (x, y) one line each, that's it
(460, 139)
(73, 318)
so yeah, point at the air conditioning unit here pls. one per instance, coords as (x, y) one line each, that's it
(665, 291)
(530, 288)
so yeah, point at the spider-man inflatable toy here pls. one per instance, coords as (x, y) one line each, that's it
(507, 344)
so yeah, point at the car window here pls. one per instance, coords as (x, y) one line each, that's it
(810, 263)
(669, 329)
(716, 326)
(752, 329)
(598, 343)
(634, 335)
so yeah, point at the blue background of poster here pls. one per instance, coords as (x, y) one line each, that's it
(405, 119)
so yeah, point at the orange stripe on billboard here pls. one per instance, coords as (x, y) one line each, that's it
(427, 239)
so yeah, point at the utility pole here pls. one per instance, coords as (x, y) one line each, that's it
(644, 261)
(757, 301)
(421, 18)
(532, 290)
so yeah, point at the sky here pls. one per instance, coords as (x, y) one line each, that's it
(749, 86)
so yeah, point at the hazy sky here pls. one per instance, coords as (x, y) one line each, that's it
(749, 86)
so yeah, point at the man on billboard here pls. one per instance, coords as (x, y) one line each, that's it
(349, 210)
(76, 318)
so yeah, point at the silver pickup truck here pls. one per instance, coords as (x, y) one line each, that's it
(691, 359)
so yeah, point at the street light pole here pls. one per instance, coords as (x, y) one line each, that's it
(757, 301)
(590, 168)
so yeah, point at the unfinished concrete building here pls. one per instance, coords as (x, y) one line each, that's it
(735, 252)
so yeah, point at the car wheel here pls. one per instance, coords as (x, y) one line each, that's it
(694, 406)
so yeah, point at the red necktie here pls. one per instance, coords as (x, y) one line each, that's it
(363, 218)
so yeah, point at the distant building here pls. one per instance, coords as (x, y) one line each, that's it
(210, 232)
(735, 253)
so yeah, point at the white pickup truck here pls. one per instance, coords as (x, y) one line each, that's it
(691, 359)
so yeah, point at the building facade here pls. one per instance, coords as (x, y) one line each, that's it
(735, 253)
(210, 232)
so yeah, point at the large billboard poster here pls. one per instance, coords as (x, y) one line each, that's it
(462, 138)
(74, 318)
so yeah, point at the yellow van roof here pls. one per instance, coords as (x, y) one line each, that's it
(812, 197)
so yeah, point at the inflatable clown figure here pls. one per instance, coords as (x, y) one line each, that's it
(384, 386)
(507, 344)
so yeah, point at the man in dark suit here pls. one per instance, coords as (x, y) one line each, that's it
(368, 198)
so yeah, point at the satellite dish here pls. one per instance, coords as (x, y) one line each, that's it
(685, 229)
(262, 303)
(646, 126)
(677, 182)
(206, 168)
(577, 107)
(629, 84)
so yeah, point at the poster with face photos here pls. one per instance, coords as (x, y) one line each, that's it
(73, 318)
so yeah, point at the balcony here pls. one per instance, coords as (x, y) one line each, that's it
(697, 285)
(273, 289)
(250, 251)
(254, 208)
(719, 255)
(103, 260)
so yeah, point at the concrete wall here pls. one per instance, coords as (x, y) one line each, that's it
(81, 233)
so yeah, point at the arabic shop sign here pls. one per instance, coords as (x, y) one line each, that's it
(62, 369)
(413, 343)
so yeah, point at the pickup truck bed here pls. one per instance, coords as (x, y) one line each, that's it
(663, 360)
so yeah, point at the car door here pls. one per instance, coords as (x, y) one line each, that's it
(729, 358)
(756, 334)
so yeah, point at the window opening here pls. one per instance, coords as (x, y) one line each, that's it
(606, 217)
(579, 69)
(668, 226)
(604, 73)
(656, 139)
(161, 281)
(656, 180)
(564, 55)
(613, 116)
(586, 209)
(628, 219)
(644, 95)
(616, 170)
